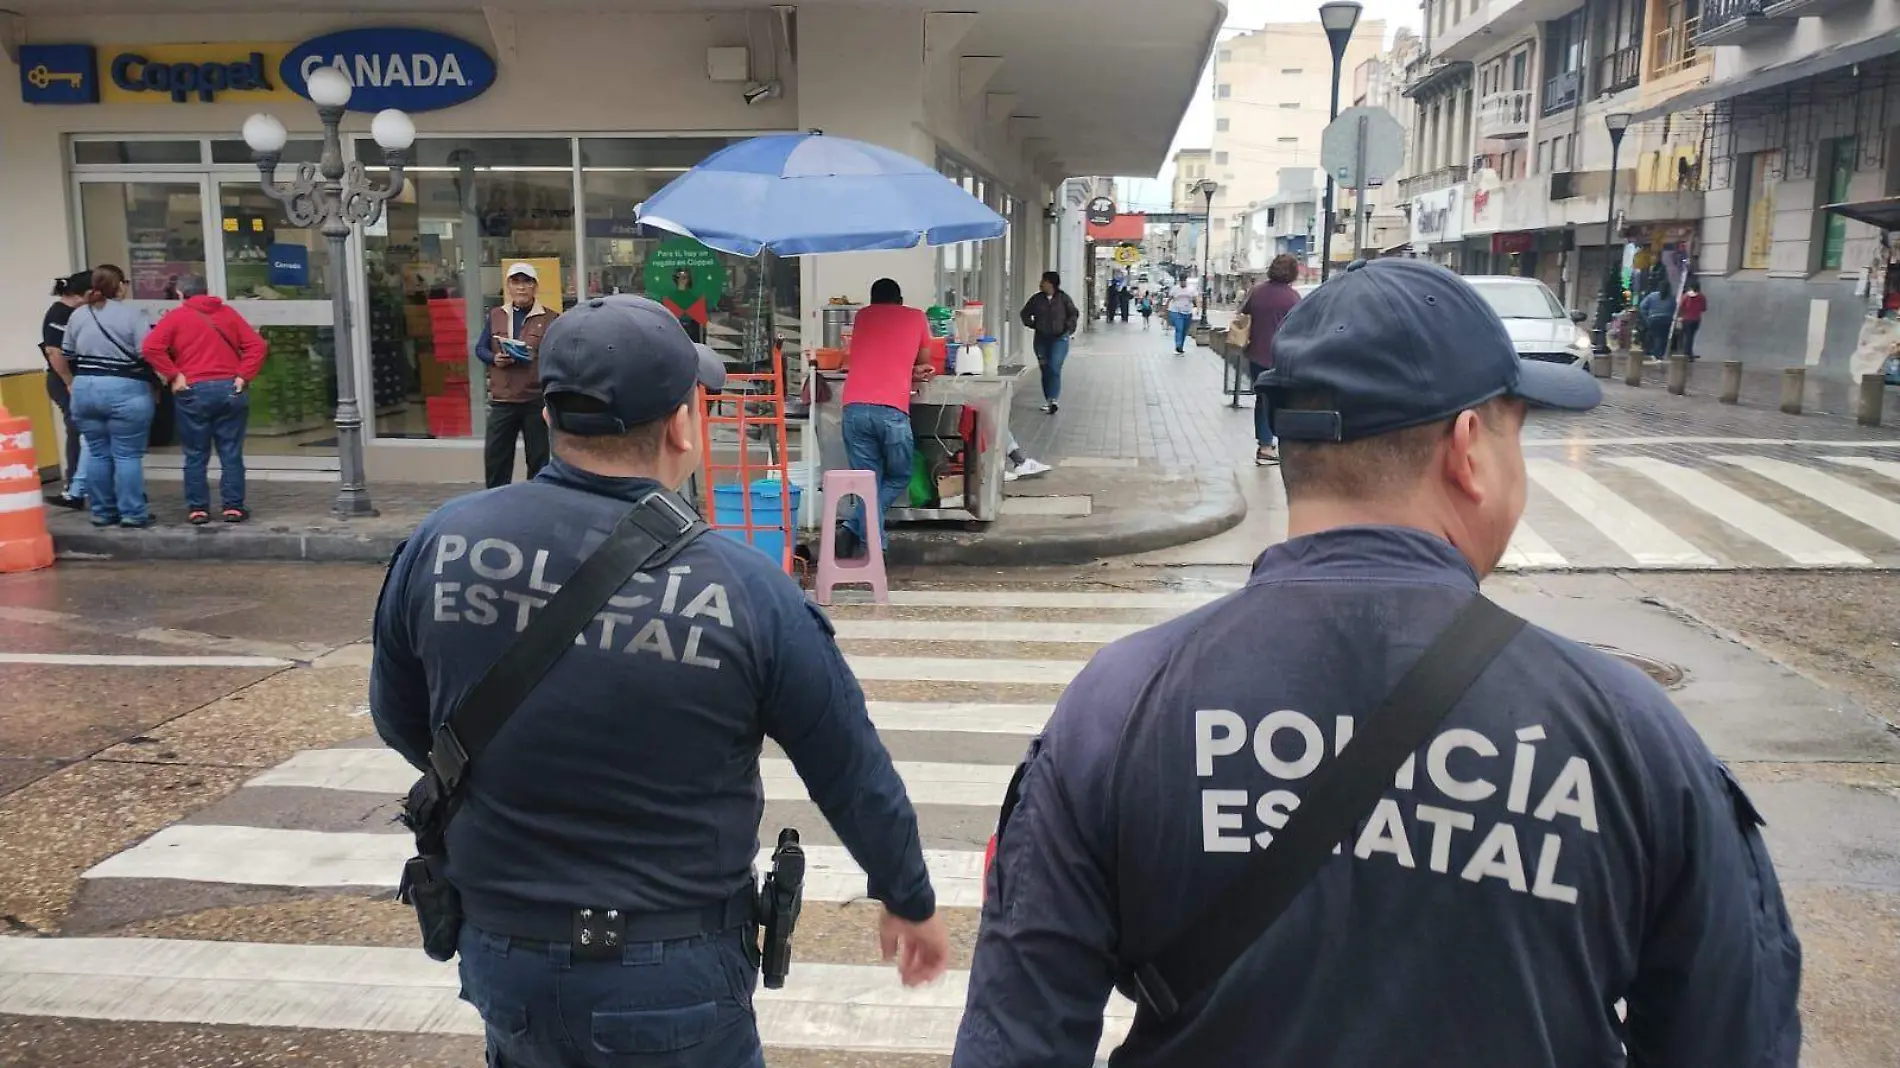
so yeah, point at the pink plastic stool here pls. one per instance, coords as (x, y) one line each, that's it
(834, 572)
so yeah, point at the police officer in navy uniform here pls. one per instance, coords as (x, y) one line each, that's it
(1563, 875)
(629, 778)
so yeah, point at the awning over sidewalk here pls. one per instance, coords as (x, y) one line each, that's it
(1883, 213)
(1821, 62)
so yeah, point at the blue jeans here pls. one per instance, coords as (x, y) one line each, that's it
(1262, 410)
(212, 413)
(1656, 335)
(1051, 352)
(115, 416)
(879, 439)
(1181, 321)
(679, 1004)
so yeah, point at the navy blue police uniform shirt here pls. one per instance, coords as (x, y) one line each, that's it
(1565, 842)
(630, 776)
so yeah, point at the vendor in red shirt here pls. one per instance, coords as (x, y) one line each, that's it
(206, 353)
(889, 356)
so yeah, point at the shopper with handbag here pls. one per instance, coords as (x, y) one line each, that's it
(1259, 319)
(113, 399)
(1355, 813)
(206, 353)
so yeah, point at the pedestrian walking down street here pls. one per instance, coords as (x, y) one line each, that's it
(1658, 311)
(1181, 314)
(1021, 464)
(69, 293)
(1266, 307)
(1691, 310)
(1147, 306)
(114, 398)
(890, 358)
(511, 348)
(206, 353)
(603, 856)
(1053, 317)
(1518, 817)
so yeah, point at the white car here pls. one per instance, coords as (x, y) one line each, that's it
(1538, 325)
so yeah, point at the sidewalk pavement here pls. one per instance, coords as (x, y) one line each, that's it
(1137, 468)
(1828, 412)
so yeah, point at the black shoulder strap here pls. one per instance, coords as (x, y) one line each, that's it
(649, 534)
(1341, 793)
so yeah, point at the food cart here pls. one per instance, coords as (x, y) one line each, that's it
(950, 414)
(1878, 349)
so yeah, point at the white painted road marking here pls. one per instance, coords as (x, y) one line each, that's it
(1751, 517)
(958, 669)
(272, 856)
(1889, 468)
(983, 630)
(1647, 542)
(1048, 599)
(381, 771)
(1844, 497)
(1528, 549)
(351, 988)
(133, 660)
(963, 717)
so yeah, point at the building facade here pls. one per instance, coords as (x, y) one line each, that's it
(122, 146)
(1272, 90)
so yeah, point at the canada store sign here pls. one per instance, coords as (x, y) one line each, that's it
(415, 70)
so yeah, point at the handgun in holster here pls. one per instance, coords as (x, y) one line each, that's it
(780, 900)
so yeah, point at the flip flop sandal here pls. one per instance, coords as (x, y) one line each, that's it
(198, 517)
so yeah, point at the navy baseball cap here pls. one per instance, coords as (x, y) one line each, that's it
(629, 356)
(1398, 343)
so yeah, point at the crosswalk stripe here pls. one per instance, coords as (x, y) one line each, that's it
(962, 718)
(1889, 468)
(1646, 541)
(1017, 598)
(275, 856)
(1844, 497)
(958, 669)
(913, 630)
(381, 771)
(1751, 517)
(360, 988)
(1529, 549)
(139, 660)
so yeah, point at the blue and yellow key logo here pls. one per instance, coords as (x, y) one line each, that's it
(59, 74)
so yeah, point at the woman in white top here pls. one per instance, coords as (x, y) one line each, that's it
(1181, 313)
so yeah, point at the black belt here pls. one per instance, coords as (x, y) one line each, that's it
(594, 930)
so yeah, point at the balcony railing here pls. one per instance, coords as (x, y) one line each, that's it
(1675, 48)
(1737, 21)
(1506, 114)
(1620, 69)
(1432, 180)
(1561, 92)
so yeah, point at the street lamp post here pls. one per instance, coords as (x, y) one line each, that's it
(1338, 18)
(1618, 122)
(334, 198)
(1207, 188)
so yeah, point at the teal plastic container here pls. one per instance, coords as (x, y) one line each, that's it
(767, 536)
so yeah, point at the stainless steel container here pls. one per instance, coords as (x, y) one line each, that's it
(837, 319)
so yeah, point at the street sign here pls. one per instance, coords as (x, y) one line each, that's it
(1362, 146)
(1101, 211)
(1127, 255)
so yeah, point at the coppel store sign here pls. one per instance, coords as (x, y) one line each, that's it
(415, 70)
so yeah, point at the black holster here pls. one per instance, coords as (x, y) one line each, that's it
(425, 886)
(780, 901)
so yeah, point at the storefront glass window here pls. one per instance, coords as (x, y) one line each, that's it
(263, 258)
(1840, 178)
(140, 153)
(434, 267)
(295, 152)
(716, 296)
(154, 230)
(1758, 236)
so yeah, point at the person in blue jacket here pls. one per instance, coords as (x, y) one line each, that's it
(1564, 875)
(630, 777)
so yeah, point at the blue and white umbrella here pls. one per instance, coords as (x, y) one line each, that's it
(806, 193)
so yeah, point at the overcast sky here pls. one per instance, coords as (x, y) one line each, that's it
(1197, 126)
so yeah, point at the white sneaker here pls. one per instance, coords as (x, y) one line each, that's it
(1030, 468)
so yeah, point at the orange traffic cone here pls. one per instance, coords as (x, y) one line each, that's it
(24, 543)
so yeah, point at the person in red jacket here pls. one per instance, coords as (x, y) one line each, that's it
(206, 353)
